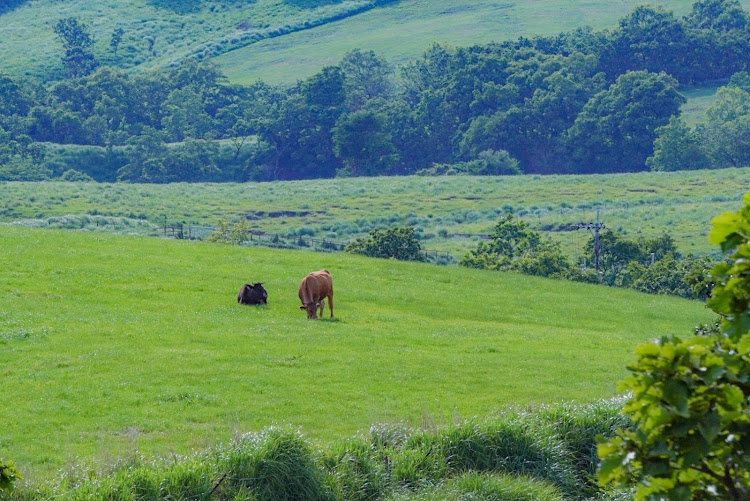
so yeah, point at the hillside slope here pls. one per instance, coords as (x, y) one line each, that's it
(641, 204)
(404, 30)
(114, 345)
(158, 32)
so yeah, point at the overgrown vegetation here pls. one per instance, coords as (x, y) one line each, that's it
(580, 102)
(647, 265)
(545, 454)
(690, 398)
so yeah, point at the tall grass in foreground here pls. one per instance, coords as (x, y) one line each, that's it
(544, 454)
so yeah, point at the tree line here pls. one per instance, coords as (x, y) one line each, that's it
(579, 102)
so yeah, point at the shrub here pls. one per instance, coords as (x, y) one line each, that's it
(514, 246)
(274, 464)
(397, 243)
(8, 474)
(73, 175)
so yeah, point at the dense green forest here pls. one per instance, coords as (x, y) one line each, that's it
(580, 102)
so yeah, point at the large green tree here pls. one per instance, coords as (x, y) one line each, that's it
(362, 142)
(79, 59)
(615, 132)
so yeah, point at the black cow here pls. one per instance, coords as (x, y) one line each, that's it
(253, 294)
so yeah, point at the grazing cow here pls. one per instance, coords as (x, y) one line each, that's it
(253, 294)
(313, 290)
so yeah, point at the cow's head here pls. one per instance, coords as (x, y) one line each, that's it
(260, 292)
(311, 310)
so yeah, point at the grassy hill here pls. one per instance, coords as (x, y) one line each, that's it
(282, 40)
(643, 204)
(113, 345)
(404, 30)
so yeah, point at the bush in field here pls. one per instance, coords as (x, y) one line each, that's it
(487, 163)
(8, 475)
(691, 398)
(516, 247)
(73, 175)
(688, 278)
(397, 243)
(236, 234)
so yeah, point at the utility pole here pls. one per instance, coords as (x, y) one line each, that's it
(594, 228)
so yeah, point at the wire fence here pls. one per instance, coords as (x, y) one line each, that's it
(201, 232)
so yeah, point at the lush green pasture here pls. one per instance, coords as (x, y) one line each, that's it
(176, 28)
(112, 345)
(402, 31)
(643, 204)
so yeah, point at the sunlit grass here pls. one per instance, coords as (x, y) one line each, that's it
(644, 204)
(112, 345)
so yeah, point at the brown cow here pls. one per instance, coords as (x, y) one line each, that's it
(313, 290)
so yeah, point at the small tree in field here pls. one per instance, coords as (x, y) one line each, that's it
(397, 243)
(691, 398)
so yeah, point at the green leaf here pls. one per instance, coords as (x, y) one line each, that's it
(744, 345)
(723, 226)
(676, 394)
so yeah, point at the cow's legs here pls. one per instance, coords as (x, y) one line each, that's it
(330, 304)
(321, 305)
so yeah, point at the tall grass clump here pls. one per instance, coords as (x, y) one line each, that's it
(276, 464)
(576, 426)
(486, 487)
(545, 454)
(358, 472)
(508, 444)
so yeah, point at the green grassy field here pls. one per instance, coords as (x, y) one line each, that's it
(643, 204)
(115, 345)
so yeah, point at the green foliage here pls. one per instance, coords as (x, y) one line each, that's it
(488, 163)
(361, 141)
(515, 246)
(72, 175)
(690, 398)
(627, 114)
(576, 103)
(79, 60)
(274, 464)
(623, 263)
(396, 243)
(518, 456)
(485, 487)
(236, 234)
(677, 147)
(8, 475)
